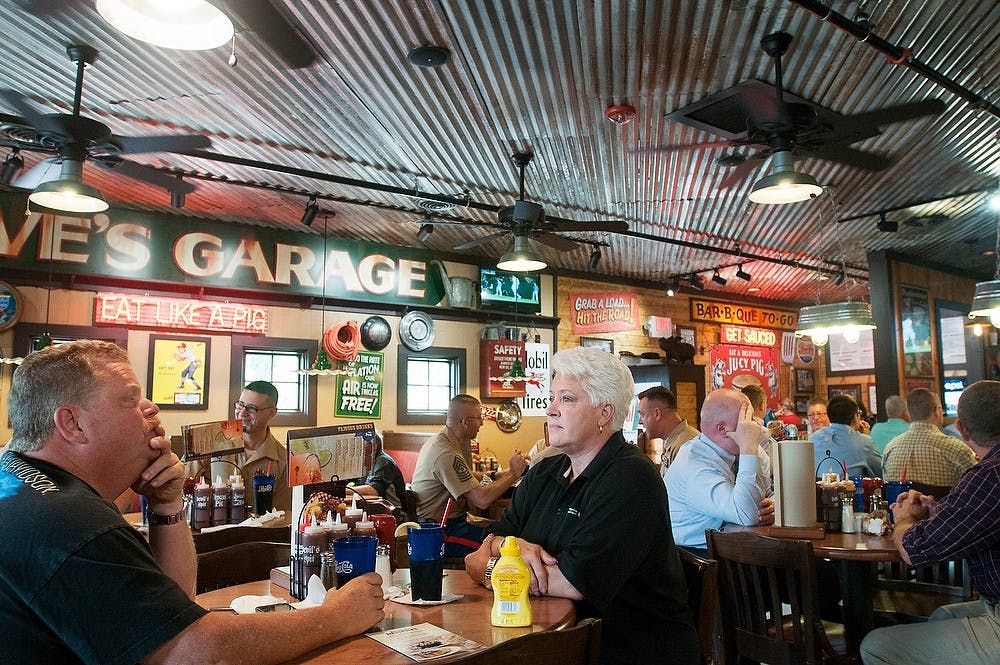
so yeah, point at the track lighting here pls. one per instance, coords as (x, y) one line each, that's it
(841, 276)
(719, 279)
(674, 287)
(742, 274)
(426, 229)
(595, 258)
(885, 226)
(177, 196)
(696, 283)
(309, 214)
(11, 166)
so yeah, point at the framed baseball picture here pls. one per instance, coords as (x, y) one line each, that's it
(804, 380)
(178, 371)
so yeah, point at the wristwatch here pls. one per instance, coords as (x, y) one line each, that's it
(156, 519)
(488, 575)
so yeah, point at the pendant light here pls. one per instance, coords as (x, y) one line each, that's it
(986, 300)
(847, 318)
(785, 184)
(522, 257)
(69, 193)
(189, 25)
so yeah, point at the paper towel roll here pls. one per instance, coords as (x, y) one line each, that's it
(794, 483)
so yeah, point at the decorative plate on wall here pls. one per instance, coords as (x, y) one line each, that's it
(508, 416)
(416, 331)
(375, 333)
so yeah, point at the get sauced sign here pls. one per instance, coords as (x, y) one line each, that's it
(146, 246)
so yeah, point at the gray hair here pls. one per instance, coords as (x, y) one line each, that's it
(895, 406)
(604, 378)
(70, 373)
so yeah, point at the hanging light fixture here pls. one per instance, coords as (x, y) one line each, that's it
(522, 257)
(189, 25)
(696, 283)
(743, 274)
(785, 184)
(674, 287)
(69, 193)
(986, 299)
(846, 318)
(425, 231)
(11, 167)
(595, 258)
(309, 214)
(719, 279)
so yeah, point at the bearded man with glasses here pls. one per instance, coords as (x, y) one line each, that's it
(257, 405)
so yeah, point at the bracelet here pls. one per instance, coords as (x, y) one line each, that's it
(488, 575)
(156, 519)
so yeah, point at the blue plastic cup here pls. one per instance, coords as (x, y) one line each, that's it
(355, 556)
(263, 494)
(425, 547)
(859, 494)
(892, 491)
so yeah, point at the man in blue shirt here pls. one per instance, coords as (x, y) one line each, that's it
(722, 476)
(841, 441)
(897, 423)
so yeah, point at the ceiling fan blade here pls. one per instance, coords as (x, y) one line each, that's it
(480, 241)
(43, 171)
(682, 146)
(739, 173)
(558, 242)
(262, 19)
(898, 113)
(147, 174)
(612, 226)
(22, 105)
(861, 159)
(134, 145)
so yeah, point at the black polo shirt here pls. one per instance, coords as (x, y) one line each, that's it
(610, 530)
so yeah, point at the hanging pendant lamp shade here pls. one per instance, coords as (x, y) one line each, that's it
(190, 25)
(521, 257)
(785, 184)
(69, 193)
(986, 301)
(846, 318)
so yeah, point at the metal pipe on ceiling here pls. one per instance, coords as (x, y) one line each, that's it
(914, 204)
(895, 55)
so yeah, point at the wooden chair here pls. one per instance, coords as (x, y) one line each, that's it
(908, 594)
(579, 645)
(757, 574)
(243, 562)
(214, 540)
(702, 577)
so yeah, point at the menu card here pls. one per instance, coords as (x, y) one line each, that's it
(215, 439)
(425, 641)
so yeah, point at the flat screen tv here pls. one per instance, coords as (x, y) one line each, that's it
(510, 291)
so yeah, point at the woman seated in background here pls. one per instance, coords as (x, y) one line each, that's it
(386, 480)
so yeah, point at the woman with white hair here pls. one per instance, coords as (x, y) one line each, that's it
(593, 523)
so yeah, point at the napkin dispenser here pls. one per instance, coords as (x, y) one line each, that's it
(794, 483)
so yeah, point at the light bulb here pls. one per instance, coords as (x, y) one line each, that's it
(977, 330)
(851, 334)
(819, 337)
(995, 317)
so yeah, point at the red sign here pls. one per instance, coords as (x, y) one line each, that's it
(752, 336)
(501, 368)
(737, 366)
(604, 312)
(119, 309)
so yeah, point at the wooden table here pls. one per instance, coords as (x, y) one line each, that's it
(856, 555)
(469, 617)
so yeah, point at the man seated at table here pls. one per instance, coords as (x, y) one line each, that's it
(816, 416)
(963, 525)
(592, 523)
(925, 453)
(256, 407)
(723, 476)
(442, 472)
(658, 416)
(79, 584)
(897, 422)
(386, 480)
(844, 443)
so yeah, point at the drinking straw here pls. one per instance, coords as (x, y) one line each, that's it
(269, 463)
(904, 474)
(447, 509)
(844, 463)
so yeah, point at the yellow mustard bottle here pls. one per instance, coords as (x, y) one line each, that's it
(511, 579)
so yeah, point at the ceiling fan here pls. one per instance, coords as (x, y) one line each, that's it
(76, 138)
(776, 127)
(526, 219)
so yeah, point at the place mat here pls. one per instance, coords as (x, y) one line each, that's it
(446, 598)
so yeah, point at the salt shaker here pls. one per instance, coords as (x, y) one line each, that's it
(847, 517)
(383, 567)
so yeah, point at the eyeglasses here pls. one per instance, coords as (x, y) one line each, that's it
(252, 409)
(816, 414)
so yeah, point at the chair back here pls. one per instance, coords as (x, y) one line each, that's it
(240, 563)
(756, 575)
(702, 577)
(579, 645)
(215, 540)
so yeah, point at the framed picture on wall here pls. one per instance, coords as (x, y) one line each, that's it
(178, 371)
(599, 342)
(915, 329)
(852, 389)
(687, 335)
(801, 405)
(804, 380)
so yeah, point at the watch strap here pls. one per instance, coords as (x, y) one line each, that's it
(488, 575)
(156, 519)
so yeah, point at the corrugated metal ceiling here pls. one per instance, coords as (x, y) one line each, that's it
(537, 76)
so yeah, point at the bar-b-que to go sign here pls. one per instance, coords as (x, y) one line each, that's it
(714, 311)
